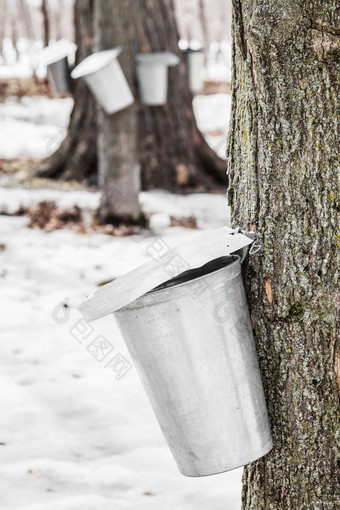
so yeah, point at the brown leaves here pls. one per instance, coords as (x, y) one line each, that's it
(48, 217)
(184, 221)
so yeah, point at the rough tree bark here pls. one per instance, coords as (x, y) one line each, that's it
(118, 165)
(172, 151)
(283, 154)
(76, 158)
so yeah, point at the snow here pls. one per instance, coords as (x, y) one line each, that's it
(33, 126)
(74, 436)
(57, 51)
(212, 113)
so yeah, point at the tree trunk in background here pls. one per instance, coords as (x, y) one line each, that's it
(204, 24)
(173, 152)
(46, 23)
(3, 22)
(76, 158)
(27, 20)
(118, 165)
(59, 19)
(283, 168)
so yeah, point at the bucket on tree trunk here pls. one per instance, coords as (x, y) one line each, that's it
(106, 80)
(196, 60)
(58, 75)
(152, 76)
(55, 57)
(191, 341)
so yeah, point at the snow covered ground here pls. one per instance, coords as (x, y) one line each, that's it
(71, 435)
(35, 126)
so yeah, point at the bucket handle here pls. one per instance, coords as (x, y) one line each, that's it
(254, 248)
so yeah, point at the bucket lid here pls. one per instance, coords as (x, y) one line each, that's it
(157, 58)
(57, 51)
(95, 62)
(192, 254)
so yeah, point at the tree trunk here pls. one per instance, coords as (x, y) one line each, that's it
(76, 157)
(26, 17)
(59, 19)
(13, 14)
(172, 151)
(46, 22)
(283, 154)
(118, 166)
(3, 23)
(204, 24)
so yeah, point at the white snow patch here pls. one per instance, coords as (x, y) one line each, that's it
(211, 210)
(33, 126)
(36, 126)
(74, 436)
(212, 112)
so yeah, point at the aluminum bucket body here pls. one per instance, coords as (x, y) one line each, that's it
(106, 80)
(58, 74)
(152, 76)
(192, 345)
(195, 69)
(153, 85)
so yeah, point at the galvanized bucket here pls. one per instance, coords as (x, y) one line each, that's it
(106, 80)
(191, 342)
(195, 61)
(58, 75)
(55, 57)
(152, 76)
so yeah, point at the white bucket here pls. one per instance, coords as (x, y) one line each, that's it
(105, 78)
(152, 76)
(195, 69)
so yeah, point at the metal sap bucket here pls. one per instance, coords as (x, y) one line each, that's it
(55, 57)
(195, 59)
(192, 345)
(152, 76)
(58, 75)
(106, 80)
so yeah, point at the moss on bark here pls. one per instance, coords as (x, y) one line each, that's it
(283, 153)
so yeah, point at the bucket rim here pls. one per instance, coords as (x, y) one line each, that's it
(157, 59)
(229, 261)
(57, 51)
(95, 62)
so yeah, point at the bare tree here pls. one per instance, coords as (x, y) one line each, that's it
(172, 152)
(46, 22)
(283, 154)
(3, 22)
(204, 23)
(27, 20)
(118, 165)
(76, 158)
